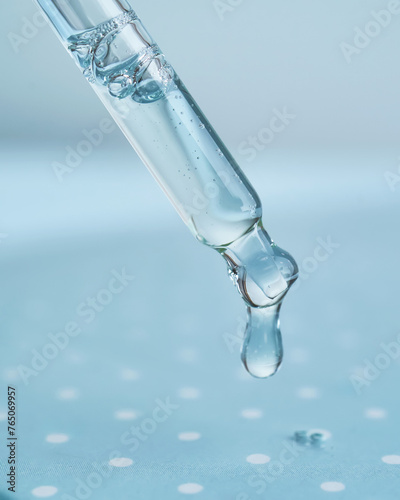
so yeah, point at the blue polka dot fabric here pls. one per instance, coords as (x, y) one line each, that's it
(123, 345)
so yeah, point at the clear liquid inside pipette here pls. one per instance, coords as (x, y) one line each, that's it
(196, 171)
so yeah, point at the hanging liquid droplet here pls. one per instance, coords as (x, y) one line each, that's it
(263, 273)
(262, 351)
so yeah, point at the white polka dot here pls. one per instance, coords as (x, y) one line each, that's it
(189, 393)
(129, 374)
(332, 486)
(57, 438)
(189, 436)
(252, 413)
(67, 394)
(11, 374)
(121, 462)
(326, 434)
(76, 358)
(391, 459)
(44, 491)
(3, 416)
(258, 459)
(190, 488)
(347, 339)
(308, 393)
(188, 355)
(375, 413)
(126, 414)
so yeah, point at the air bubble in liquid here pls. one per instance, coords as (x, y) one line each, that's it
(101, 53)
(121, 86)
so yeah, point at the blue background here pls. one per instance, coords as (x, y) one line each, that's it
(324, 176)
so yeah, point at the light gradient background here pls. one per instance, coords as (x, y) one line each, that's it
(323, 176)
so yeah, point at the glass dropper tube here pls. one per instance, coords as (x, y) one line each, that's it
(166, 127)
